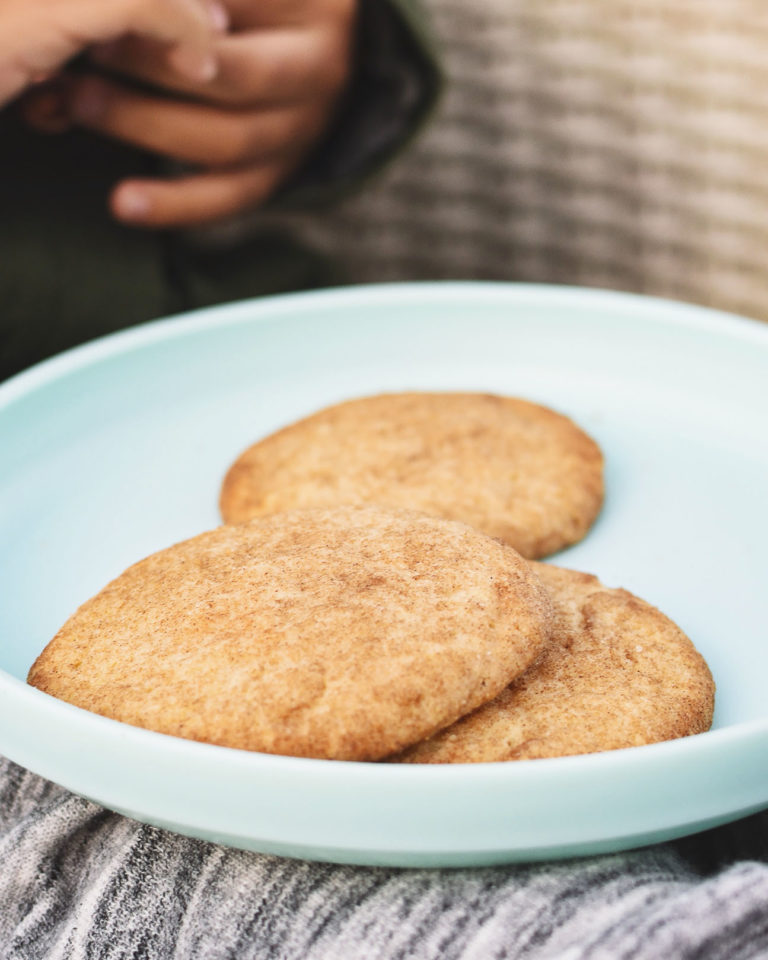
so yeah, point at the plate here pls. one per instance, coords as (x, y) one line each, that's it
(117, 449)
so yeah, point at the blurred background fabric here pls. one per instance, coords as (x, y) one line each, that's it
(614, 144)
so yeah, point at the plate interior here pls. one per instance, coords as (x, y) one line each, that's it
(117, 449)
(123, 454)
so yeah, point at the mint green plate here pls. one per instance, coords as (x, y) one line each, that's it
(117, 449)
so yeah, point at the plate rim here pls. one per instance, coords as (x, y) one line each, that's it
(266, 309)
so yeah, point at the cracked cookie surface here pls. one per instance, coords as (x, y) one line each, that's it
(618, 673)
(346, 633)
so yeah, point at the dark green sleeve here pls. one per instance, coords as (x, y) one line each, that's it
(69, 272)
(396, 82)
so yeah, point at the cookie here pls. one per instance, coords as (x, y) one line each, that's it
(618, 673)
(513, 469)
(346, 633)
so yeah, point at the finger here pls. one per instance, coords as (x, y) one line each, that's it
(45, 108)
(245, 14)
(187, 27)
(189, 132)
(266, 68)
(192, 54)
(194, 200)
(38, 38)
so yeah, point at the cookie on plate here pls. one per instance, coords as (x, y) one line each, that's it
(345, 633)
(618, 673)
(514, 469)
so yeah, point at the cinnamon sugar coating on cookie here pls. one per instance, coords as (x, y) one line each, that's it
(618, 673)
(347, 633)
(513, 469)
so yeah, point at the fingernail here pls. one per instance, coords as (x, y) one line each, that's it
(219, 16)
(195, 65)
(208, 67)
(45, 111)
(131, 203)
(89, 101)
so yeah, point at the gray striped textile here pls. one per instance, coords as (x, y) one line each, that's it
(79, 882)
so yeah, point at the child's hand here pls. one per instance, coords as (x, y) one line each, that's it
(282, 70)
(38, 36)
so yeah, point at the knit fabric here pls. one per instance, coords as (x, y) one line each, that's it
(79, 882)
(619, 144)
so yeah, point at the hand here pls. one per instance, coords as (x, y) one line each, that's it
(282, 69)
(38, 36)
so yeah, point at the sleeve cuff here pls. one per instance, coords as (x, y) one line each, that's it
(394, 87)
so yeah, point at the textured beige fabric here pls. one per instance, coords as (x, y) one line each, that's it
(619, 144)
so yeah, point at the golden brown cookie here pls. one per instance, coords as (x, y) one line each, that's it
(618, 673)
(346, 633)
(514, 469)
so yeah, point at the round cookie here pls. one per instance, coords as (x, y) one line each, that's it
(513, 469)
(618, 673)
(346, 633)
